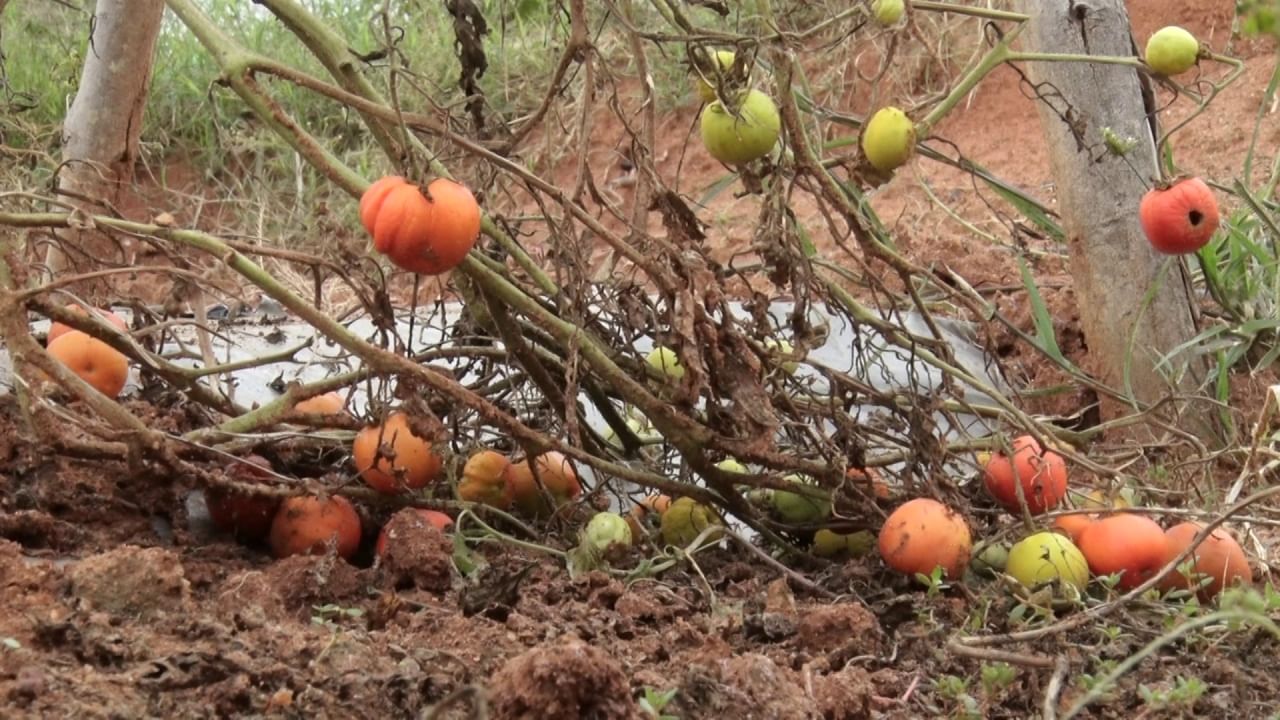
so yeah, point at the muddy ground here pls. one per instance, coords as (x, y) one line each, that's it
(116, 606)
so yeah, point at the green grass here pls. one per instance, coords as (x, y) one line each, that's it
(187, 113)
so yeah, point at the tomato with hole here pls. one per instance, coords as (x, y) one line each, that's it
(1180, 218)
(684, 520)
(606, 530)
(1047, 557)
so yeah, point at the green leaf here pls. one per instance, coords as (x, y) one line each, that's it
(718, 187)
(806, 240)
(466, 560)
(1046, 339)
(1030, 209)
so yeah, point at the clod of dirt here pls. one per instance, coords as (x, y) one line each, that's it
(844, 695)
(37, 529)
(643, 607)
(13, 567)
(134, 582)
(306, 580)
(746, 686)
(27, 686)
(598, 589)
(773, 616)
(250, 600)
(418, 554)
(565, 680)
(850, 628)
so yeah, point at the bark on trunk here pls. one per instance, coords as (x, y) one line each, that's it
(100, 135)
(1133, 314)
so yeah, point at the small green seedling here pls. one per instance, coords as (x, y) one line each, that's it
(654, 702)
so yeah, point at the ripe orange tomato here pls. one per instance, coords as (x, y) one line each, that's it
(1219, 558)
(558, 477)
(1073, 526)
(923, 534)
(1041, 473)
(871, 479)
(1133, 545)
(1180, 218)
(57, 329)
(438, 519)
(415, 463)
(308, 525)
(423, 233)
(96, 362)
(327, 404)
(486, 478)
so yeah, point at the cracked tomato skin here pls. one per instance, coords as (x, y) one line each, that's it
(1181, 218)
(429, 232)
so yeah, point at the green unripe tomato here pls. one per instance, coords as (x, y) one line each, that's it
(828, 543)
(990, 558)
(732, 465)
(607, 529)
(1172, 51)
(685, 520)
(887, 12)
(801, 509)
(639, 427)
(784, 349)
(739, 139)
(1048, 556)
(888, 139)
(707, 91)
(664, 360)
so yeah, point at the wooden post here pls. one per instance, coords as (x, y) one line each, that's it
(100, 135)
(1135, 304)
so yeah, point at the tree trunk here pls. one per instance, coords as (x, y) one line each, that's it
(100, 135)
(1133, 313)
